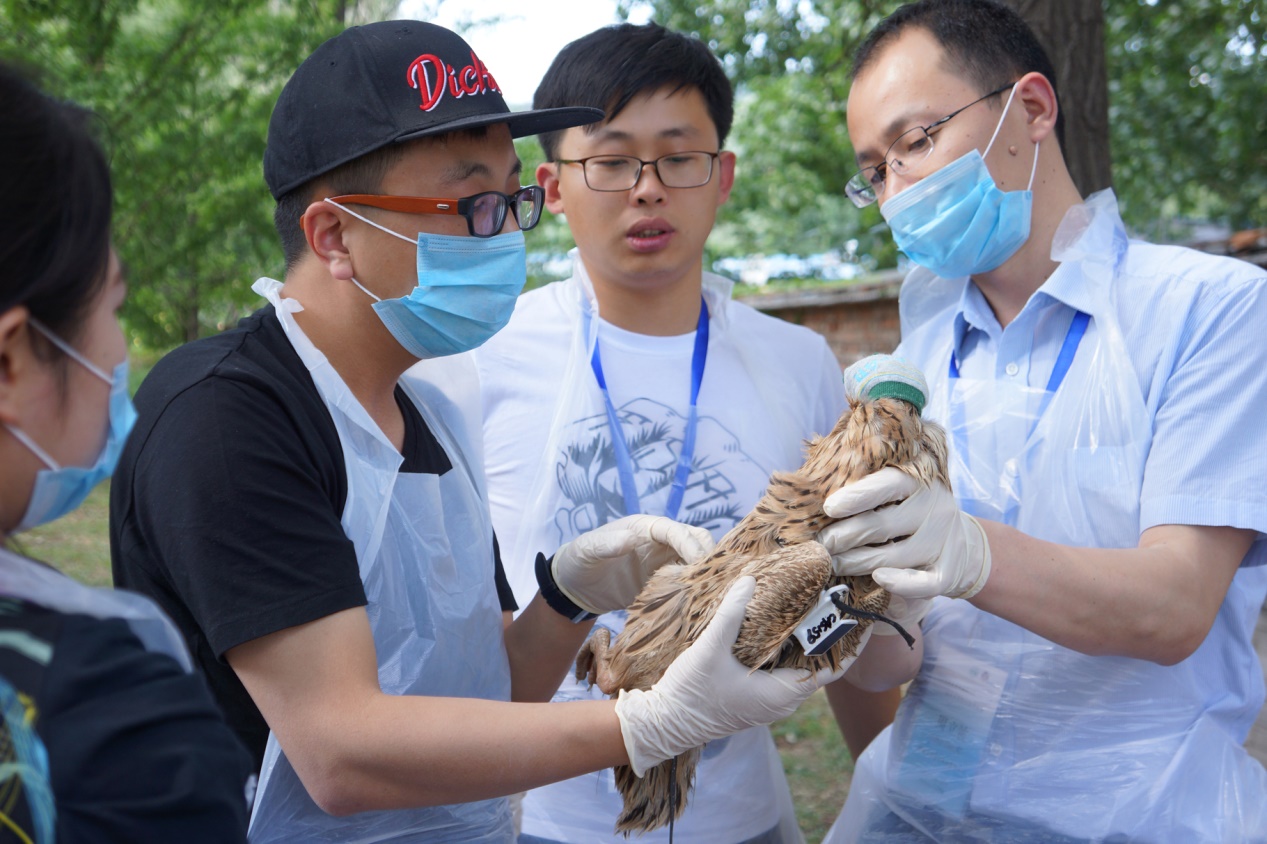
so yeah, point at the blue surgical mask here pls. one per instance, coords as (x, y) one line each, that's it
(467, 289)
(957, 222)
(60, 489)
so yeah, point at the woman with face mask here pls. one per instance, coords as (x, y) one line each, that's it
(105, 732)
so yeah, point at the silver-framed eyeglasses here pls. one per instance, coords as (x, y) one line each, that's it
(689, 169)
(909, 149)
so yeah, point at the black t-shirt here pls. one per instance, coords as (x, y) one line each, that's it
(136, 749)
(226, 504)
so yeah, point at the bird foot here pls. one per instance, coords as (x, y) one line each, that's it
(593, 661)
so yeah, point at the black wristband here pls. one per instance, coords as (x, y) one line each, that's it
(554, 596)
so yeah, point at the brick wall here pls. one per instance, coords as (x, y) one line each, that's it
(857, 320)
(853, 330)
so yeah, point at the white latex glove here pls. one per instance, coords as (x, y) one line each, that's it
(707, 693)
(944, 551)
(905, 612)
(605, 569)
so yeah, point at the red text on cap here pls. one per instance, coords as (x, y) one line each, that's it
(432, 76)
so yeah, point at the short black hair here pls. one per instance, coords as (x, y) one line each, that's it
(55, 207)
(611, 66)
(360, 175)
(986, 41)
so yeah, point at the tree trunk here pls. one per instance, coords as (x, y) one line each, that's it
(1072, 33)
(192, 327)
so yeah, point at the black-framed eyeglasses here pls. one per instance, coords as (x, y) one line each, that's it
(690, 169)
(485, 212)
(910, 148)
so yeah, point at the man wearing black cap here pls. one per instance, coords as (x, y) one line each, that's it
(304, 494)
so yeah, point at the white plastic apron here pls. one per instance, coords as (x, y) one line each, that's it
(740, 789)
(1005, 736)
(579, 397)
(424, 546)
(31, 581)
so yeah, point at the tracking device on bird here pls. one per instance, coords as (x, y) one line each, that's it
(825, 624)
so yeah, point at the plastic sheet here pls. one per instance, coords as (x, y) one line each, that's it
(433, 606)
(43, 585)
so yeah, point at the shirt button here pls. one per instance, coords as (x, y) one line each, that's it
(1012, 468)
(996, 749)
(1012, 369)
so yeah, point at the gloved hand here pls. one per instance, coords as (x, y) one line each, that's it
(605, 569)
(944, 551)
(905, 612)
(707, 693)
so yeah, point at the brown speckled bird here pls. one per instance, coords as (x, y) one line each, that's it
(775, 544)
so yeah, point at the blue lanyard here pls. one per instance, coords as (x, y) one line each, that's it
(1064, 360)
(624, 463)
(958, 422)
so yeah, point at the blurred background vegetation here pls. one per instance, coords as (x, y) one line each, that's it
(1169, 95)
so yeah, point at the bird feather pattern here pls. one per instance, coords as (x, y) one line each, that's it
(775, 543)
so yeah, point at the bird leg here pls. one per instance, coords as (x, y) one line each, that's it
(593, 661)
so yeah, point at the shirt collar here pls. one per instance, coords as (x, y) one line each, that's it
(1091, 231)
(973, 314)
(1067, 286)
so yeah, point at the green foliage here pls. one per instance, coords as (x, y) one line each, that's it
(1186, 86)
(1189, 130)
(184, 90)
(790, 66)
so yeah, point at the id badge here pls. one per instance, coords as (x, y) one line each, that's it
(947, 730)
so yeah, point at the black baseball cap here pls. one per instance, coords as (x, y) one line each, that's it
(381, 83)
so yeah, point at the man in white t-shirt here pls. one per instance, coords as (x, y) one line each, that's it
(637, 385)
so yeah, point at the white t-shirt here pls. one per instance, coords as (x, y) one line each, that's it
(768, 386)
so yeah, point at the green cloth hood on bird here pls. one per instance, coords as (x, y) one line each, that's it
(886, 376)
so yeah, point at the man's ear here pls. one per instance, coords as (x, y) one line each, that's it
(1038, 98)
(16, 357)
(548, 178)
(725, 175)
(323, 229)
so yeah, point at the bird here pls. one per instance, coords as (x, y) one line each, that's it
(776, 544)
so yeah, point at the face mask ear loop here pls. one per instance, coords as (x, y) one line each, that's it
(375, 225)
(70, 351)
(997, 126)
(43, 455)
(366, 292)
(371, 222)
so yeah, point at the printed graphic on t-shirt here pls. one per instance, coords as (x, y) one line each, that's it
(723, 477)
